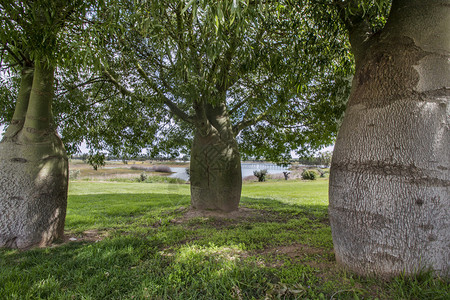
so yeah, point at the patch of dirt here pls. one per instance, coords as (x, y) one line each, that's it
(222, 219)
(87, 236)
(241, 213)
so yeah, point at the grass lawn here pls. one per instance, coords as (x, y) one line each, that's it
(140, 241)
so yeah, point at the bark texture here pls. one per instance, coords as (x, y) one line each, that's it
(390, 179)
(215, 172)
(33, 180)
(33, 168)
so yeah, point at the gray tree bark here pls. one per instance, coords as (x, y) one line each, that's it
(389, 184)
(215, 171)
(33, 168)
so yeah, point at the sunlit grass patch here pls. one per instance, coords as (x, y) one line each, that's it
(141, 241)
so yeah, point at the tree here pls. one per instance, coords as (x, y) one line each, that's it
(389, 185)
(33, 161)
(325, 158)
(232, 78)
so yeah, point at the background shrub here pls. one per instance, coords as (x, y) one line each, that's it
(140, 168)
(73, 174)
(260, 174)
(162, 169)
(309, 175)
(143, 177)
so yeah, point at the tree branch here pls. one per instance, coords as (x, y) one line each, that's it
(202, 121)
(117, 84)
(14, 56)
(223, 84)
(237, 106)
(101, 100)
(192, 45)
(357, 26)
(233, 78)
(93, 80)
(172, 106)
(245, 123)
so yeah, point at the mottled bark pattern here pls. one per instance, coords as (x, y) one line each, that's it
(33, 168)
(215, 172)
(390, 179)
(33, 181)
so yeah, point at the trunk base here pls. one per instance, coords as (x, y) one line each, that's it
(216, 179)
(226, 200)
(33, 201)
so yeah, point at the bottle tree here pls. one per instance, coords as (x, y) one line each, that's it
(33, 161)
(389, 184)
(225, 79)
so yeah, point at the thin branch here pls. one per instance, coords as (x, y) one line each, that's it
(90, 81)
(245, 123)
(213, 69)
(192, 45)
(15, 57)
(223, 84)
(178, 38)
(117, 84)
(358, 28)
(233, 78)
(27, 61)
(123, 90)
(102, 100)
(68, 116)
(172, 106)
(99, 89)
(239, 105)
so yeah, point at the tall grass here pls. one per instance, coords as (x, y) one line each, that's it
(157, 168)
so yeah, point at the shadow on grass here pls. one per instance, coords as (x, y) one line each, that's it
(151, 255)
(288, 210)
(109, 210)
(267, 223)
(106, 211)
(125, 268)
(171, 260)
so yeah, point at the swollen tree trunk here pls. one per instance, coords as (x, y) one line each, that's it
(389, 185)
(33, 168)
(215, 171)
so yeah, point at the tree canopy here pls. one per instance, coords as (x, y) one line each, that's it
(33, 161)
(281, 73)
(37, 33)
(281, 68)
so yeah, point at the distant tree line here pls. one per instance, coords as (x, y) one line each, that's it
(321, 159)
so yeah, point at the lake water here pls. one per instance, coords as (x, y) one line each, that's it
(247, 170)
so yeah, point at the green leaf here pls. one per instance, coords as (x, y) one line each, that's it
(220, 15)
(217, 23)
(187, 6)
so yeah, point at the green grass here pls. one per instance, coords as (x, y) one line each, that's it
(134, 241)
